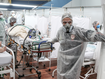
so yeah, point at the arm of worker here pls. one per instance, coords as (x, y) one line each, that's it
(56, 39)
(90, 36)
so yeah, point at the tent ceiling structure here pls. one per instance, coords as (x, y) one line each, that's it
(42, 4)
(55, 4)
(22, 2)
(30, 2)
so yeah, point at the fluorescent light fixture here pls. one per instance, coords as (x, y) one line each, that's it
(23, 5)
(3, 9)
(18, 5)
(4, 4)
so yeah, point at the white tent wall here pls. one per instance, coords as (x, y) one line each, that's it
(94, 13)
(19, 14)
(46, 12)
(79, 3)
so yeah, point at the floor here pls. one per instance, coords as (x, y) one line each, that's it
(45, 73)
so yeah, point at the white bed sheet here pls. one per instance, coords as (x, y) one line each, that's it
(5, 58)
(90, 50)
(89, 55)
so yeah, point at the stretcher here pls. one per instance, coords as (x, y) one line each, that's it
(30, 46)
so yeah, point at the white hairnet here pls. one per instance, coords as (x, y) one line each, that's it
(1, 12)
(12, 12)
(66, 15)
(12, 20)
(94, 23)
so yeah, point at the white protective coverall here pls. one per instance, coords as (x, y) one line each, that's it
(72, 49)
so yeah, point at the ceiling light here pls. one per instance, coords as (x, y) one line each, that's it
(4, 4)
(3, 9)
(18, 5)
(23, 5)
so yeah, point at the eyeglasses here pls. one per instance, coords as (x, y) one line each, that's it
(64, 22)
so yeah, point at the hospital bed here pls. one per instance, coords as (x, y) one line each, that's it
(30, 45)
(88, 60)
(7, 61)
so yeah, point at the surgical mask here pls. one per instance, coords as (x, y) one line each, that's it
(67, 27)
(98, 26)
(13, 15)
(1, 16)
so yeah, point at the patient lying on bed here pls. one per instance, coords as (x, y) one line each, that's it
(18, 31)
(2, 49)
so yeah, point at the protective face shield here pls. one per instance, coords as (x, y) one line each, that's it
(67, 27)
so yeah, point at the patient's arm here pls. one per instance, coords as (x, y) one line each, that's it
(2, 49)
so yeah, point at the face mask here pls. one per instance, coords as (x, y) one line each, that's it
(13, 15)
(98, 26)
(67, 27)
(1, 16)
